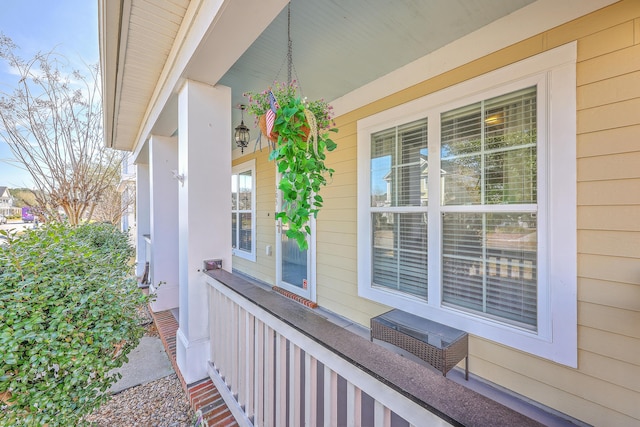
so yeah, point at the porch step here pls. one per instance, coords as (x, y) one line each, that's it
(203, 395)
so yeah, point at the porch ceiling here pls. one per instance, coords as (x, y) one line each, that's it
(337, 47)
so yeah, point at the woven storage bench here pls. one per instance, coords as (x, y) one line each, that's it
(439, 345)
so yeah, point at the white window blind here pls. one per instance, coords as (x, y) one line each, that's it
(489, 252)
(489, 265)
(398, 208)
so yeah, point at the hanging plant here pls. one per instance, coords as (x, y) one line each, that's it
(300, 133)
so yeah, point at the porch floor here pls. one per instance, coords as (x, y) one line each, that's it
(544, 415)
(203, 395)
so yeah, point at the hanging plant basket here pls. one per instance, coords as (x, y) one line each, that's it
(262, 124)
(300, 136)
(273, 136)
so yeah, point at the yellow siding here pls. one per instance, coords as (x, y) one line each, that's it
(611, 319)
(591, 24)
(624, 218)
(615, 115)
(615, 166)
(610, 243)
(524, 372)
(610, 141)
(610, 65)
(553, 396)
(615, 89)
(614, 192)
(337, 234)
(613, 294)
(616, 348)
(264, 267)
(605, 389)
(606, 41)
(615, 269)
(623, 374)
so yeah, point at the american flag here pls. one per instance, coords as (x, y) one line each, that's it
(271, 113)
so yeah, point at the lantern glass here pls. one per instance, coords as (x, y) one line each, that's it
(242, 135)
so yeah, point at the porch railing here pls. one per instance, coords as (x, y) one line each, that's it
(273, 374)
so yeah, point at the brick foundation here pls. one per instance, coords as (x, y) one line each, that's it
(203, 395)
(295, 297)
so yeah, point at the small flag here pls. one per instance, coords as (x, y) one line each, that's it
(271, 113)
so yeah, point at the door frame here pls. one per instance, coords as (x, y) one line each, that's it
(310, 292)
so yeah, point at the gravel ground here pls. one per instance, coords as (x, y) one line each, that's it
(160, 403)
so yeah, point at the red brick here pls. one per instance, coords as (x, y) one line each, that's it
(200, 394)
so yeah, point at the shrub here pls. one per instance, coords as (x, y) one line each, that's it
(68, 316)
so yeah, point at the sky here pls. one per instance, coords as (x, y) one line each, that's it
(68, 26)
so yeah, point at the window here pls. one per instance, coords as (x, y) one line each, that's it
(243, 210)
(493, 250)
(398, 208)
(489, 242)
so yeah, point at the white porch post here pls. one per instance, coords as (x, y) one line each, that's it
(143, 224)
(204, 147)
(163, 158)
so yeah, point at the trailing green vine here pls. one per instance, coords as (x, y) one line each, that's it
(302, 129)
(302, 168)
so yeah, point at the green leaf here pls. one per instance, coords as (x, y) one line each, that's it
(302, 169)
(83, 290)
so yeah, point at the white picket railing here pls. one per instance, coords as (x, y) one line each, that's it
(271, 374)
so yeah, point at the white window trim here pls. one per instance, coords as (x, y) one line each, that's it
(243, 167)
(555, 73)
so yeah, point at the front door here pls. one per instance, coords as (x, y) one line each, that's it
(295, 269)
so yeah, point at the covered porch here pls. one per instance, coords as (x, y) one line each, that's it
(175, 74)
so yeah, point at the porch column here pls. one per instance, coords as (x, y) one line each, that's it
(163, 159)
(204, 157)
(143, 227)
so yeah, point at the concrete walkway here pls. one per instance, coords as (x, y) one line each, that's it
(147, 362)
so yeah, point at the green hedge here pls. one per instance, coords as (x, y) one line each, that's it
(68, 316)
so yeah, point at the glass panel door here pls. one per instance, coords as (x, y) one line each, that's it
(295, 270)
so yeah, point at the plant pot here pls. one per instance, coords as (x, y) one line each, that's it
(262, 124)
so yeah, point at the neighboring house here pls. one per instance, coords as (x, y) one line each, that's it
(6, 203)
(531, 244)
(5, 197)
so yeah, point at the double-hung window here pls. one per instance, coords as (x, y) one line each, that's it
(466, 206)
(243, 210)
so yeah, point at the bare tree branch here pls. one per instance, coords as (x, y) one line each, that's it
(52, 121)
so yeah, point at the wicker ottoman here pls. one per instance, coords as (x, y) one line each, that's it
(439, 345)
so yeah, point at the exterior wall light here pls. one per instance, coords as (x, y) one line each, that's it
(242, 132)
